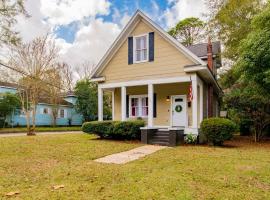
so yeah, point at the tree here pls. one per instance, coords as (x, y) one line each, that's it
(32, 62)
(8, 104)
(249, 91)
(188, 31)
(61, 78)
(251, 103)
(230, 21)
(9, 9)
(87, 102)
(84, 70)
(254, 61)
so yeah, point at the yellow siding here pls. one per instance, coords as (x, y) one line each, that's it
(168, 62)
(163, 106)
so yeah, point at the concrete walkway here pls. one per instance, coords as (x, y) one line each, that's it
(127, 156)
(39, 133)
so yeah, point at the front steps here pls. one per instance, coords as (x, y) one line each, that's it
(162, 137)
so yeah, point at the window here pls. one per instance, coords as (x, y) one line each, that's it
(145, 106)
(61, 113)
(138, 106)
(45, 111)
(134, 107)
(140, 48)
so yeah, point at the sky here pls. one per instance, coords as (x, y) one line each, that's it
(84, 29)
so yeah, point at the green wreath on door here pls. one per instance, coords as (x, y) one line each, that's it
(178, 108)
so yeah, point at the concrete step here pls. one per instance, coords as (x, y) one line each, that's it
(163, 133)
(161, 136)
(160, 139)
(161, 143)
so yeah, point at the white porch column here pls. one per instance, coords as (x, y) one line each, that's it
(150, 104)
(201, 102)
(123, 103)
(113, 104)
(195, 102)
(100, 104)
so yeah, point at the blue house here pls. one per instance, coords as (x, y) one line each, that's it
(67, 114)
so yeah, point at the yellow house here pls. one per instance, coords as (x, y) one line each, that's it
(154, 77)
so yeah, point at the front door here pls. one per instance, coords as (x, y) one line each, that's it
(179, 110)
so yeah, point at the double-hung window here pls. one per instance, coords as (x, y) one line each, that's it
(138, 106)
(140, 48)
(61, 113)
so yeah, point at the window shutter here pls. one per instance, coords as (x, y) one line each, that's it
(127, 106)
(151, 47)
(155, 105)
(130, 50)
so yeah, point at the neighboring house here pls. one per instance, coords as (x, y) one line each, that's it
(66, 112)
(151, 75)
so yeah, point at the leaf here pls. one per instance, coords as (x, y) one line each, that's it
(12, 193)
(56, 187)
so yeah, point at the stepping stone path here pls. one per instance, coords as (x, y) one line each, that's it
(128, 156)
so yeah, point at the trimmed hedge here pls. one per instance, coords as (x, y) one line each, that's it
(217, 130)
(127, 130)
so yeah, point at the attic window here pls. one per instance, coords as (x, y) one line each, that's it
(140, 51)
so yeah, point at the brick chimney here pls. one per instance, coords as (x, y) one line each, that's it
(210, 54)
(210, 87)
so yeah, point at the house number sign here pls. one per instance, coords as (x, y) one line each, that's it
(178, 108)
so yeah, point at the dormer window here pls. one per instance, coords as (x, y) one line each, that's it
(140, 53)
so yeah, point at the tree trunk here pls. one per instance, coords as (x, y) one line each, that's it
(4, 124)
(33, 129)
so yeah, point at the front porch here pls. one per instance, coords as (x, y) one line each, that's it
(162, 103)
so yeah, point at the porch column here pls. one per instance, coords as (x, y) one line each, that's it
(100, 104)
(195, 102)
(150, 104)
(113, 104)
(123, 103)
(201, 102)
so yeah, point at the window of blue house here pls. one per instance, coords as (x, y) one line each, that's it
(45, 111)
(61, 113)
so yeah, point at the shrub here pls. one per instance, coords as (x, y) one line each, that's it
(114, 129)
(217, 130)
(128, 129)
(191, 139)
(103, 129)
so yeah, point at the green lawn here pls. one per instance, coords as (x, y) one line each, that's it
(32, 165)
(40, 129)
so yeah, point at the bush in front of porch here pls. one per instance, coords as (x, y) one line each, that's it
(127, 130)
(217, 130)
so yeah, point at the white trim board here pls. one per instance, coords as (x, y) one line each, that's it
(146, 82)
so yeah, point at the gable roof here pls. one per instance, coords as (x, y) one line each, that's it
(128, 29)
(200, 49)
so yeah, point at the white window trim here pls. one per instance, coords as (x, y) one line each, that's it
(59, 113)
(140, 105)
(134, 48)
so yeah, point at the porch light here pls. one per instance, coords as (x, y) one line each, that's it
(168, 98)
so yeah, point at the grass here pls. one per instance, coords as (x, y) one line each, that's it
(32, 165)
(40, 129)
